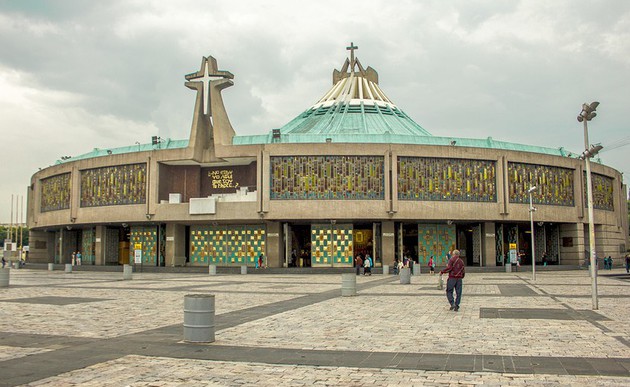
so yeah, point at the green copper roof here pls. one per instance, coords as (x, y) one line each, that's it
(487, 143)
(165, 144)
(364, 118)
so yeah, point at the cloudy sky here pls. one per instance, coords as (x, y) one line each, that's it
(78, 75)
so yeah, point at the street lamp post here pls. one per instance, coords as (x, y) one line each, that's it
(531, 221)
(587, 114)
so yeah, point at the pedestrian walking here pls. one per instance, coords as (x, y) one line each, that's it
(456, 272)
(628, 263)
(4, 262)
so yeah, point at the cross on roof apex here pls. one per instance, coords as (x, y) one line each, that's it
(351, 48)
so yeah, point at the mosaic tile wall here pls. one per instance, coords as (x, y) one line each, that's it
(147, 236)
(500, 256)
(116, 185)
(227, 245)
(87, 246)
(55, 193)
(602, 192)
(341, 239)
(435, 240)
(327, 177)
(428, 178)
(555, 185)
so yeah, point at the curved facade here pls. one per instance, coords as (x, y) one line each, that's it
(351, 174)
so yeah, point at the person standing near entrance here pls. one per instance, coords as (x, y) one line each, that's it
(358, 262)
(456, 272)
(78, 258)
(431, 265)
(74, 258)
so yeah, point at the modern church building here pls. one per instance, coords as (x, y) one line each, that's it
(351, 174)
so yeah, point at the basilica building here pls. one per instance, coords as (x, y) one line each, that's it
(352, 174)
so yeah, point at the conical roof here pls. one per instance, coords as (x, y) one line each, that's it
(355, 105)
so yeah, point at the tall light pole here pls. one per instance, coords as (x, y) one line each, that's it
(531, 221)
(587, 114)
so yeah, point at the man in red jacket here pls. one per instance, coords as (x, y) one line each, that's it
(456, 271)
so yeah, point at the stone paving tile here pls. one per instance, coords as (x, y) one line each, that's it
(7, 352)
(142, 371)
(385, 317)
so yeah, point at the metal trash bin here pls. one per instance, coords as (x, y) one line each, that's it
(405, 276)
(68, 268)
(385, 269)
(417, 269)
(5, 275)
(51, 266)
(127, 270)
(199, 318)
(212, 269)
(348, 284)
(243, 269)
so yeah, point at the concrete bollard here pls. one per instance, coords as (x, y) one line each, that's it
(348, 284)
(68, 268)
(127, 270)
(243, 269)
(417, 269)
(405, 276)
(508, 267)
(51, 266)
(199, 318)
(212, 269)
(385, 269)
(5, 274)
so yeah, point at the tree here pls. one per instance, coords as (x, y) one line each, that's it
(4, 234)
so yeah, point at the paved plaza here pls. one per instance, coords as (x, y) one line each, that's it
(92, 328)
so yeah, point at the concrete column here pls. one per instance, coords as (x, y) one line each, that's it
(274, 245)
(348, 284)
(405, 276)
(5, 276)
(175, 244)
(99, 246)
(127, 270)
(489, 244)
(388, 242)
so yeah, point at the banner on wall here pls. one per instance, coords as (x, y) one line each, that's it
(137, 253)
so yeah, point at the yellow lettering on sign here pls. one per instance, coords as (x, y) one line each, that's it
(222, 178)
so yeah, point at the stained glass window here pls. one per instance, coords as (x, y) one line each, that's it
(602, 192)
(554, 184)
(116, 185)
(55, 194)
(432, 179)
(327, 177)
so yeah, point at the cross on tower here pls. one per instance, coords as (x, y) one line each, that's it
(352, 48)
(204, 76)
